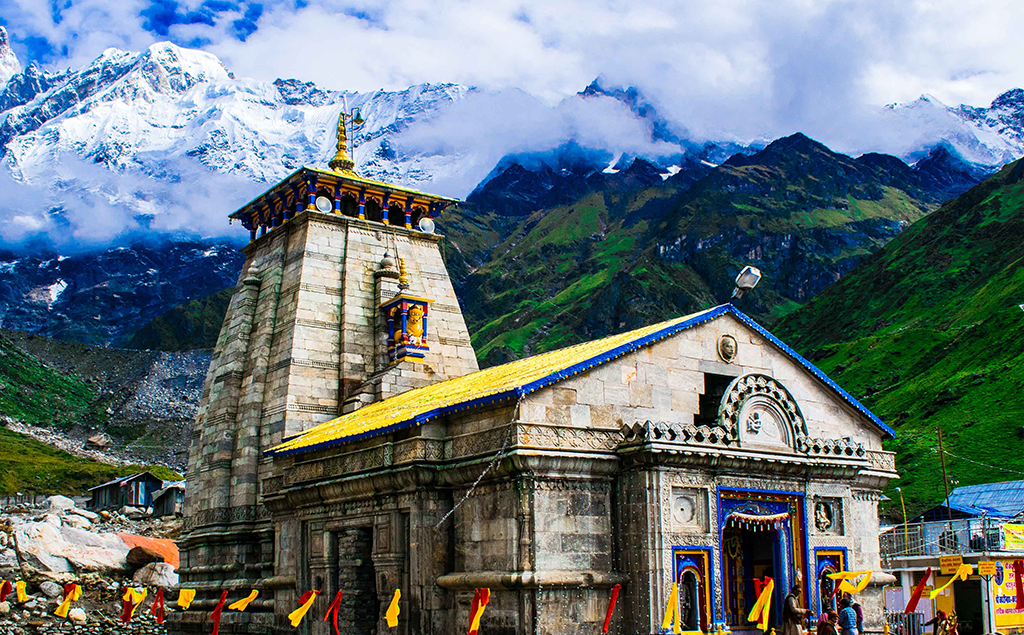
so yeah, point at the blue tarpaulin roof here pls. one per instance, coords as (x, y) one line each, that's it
(1002, 500)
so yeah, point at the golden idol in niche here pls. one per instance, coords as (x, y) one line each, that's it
(415, 325)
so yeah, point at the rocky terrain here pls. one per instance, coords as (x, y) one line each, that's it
(104, 552)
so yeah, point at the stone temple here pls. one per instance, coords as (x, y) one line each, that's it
(347, 440)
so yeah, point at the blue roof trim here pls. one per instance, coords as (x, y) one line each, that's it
(597, 360)
(814, 370)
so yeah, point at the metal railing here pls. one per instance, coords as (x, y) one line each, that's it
(901, 623)
(971, 535)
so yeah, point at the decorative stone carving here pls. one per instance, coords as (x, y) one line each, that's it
(727, 348)
(688, 509)
(760, 411)
(828, 516)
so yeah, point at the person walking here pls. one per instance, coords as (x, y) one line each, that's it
(793, 614)
(847, 617)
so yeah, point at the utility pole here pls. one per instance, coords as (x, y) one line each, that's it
(945, 482)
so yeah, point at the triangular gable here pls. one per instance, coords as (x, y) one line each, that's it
(520, 378)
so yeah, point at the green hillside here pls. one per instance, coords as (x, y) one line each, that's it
(620, 257)
(929, 332)
(35, 393)
(31, 467)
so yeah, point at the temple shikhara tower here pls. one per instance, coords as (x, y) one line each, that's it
(347, 440)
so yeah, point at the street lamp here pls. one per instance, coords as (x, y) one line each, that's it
(746, 280)
(906, 533)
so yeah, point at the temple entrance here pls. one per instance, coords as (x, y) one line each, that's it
(828, 561)
(751, 554)
(762, 536)
(358, 613)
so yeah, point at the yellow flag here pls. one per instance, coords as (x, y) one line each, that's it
(138, 597)
(962, 573)
(19, 588)
(392, 613)
(62, 610)
(672, 610)
(244, 602)
(307, 600)
(844, 581)
(185, 597)
(763, 606)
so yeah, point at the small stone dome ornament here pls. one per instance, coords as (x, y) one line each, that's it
(387, 262)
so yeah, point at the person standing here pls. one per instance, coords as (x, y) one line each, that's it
(828, 625)
(847, 617)
(793, 614)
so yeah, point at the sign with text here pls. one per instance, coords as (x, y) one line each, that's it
(1007, 613)
(949, 564)
(1013, 537)
(987, 567)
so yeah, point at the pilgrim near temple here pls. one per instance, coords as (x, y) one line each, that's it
(347, 440)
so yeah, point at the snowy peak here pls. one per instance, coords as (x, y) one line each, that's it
(9, 64)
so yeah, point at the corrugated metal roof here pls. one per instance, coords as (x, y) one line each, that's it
(519, 378)
(1004, 500)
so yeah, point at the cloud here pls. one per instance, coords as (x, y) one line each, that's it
(87, 206)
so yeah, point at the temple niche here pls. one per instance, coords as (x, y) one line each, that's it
(348, 441)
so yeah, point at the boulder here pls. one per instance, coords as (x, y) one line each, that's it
(141, 556)
(74, 520)
(77, 615)
(57, 503)
(57, 552)
(133, 513)
(85, 513)
(156, 574)
(5, 608)
(98, 442)
(50, 589)
(52, 519)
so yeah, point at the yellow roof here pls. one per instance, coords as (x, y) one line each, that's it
(482, 387)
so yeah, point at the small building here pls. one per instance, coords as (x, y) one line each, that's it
(135, 490)
(168, 501)
(977, 525)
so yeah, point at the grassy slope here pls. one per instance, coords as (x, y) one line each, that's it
(35, 393)
(928, 331)
(28, 466)
(593, 267)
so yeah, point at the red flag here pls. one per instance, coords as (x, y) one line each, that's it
(126, 614)
(68, 588)
(333, 610)
(217, 611)
(5, 588)
(611, 607)
(158, 601)
(480, 599)
(1018, 574)
(918, 590)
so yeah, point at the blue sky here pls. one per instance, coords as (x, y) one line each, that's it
(729, 64)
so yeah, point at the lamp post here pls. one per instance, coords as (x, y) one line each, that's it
(906, 532)
(746, 280)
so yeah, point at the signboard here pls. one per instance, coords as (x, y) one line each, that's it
(950, 564)
(1013, 537)
(1007, 613)
(987, 567)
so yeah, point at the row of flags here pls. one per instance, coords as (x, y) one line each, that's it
(134, 597)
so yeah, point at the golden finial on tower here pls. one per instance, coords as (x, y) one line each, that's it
(341, 161)
(403, 275)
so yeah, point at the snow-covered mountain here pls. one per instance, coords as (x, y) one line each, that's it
(9, 64)
(988, 136)
(137, 111)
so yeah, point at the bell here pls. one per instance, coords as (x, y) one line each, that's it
(357, 118)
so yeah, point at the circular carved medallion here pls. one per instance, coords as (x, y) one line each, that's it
(727, 348)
